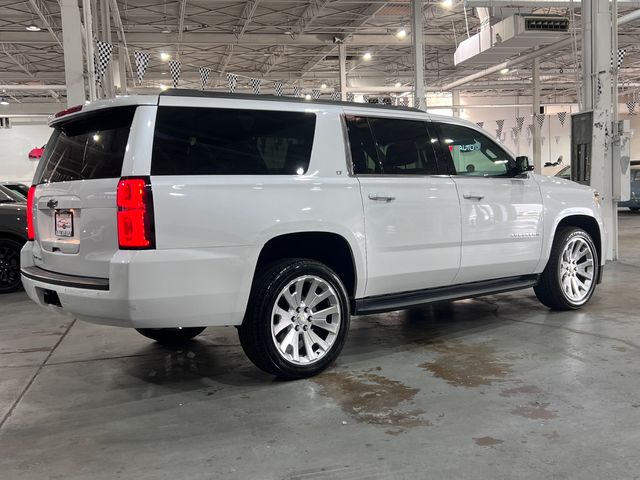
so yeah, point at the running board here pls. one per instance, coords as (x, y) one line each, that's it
(400, 301)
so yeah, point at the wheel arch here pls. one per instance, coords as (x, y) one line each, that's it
(330, 248)
(586, 222)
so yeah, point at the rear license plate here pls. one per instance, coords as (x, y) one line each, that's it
(64, 223)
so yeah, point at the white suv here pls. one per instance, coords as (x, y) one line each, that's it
(284, 217)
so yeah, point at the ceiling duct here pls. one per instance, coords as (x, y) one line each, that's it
(510, 37)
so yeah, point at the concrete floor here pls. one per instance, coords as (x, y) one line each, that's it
(498, 387)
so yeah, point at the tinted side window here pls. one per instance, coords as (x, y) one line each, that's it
(391, 146)
(474, 154)
(208, 141)
(404, 146)
(87, 147)
(363, 149)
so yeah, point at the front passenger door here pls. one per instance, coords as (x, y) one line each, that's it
(501, 211)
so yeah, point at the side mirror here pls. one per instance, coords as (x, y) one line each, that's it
(523, 164)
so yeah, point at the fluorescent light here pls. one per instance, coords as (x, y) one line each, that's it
(3, 101)
(401, 34)
(367, 56)
(96, 138)
(165, 57)
(504, 71)
(447, 3)
(398, 84)
(163, 87)
(33, 28)
(323, 86)
(307, 97)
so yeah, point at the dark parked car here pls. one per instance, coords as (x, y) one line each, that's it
(634, 201)
(17, 187)
(13, 235)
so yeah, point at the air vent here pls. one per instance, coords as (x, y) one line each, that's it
(547, 24)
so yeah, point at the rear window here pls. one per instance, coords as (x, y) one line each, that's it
(87, 147)
(207, 141)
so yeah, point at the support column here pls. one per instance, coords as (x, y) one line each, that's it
(105, 26)
(122, 67)
(455, 101)
(537, 143)
(88, 38)
(419, 99)
(72, 45)
(342, 56)
(597, 24)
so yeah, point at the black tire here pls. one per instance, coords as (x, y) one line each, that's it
(10, 280)
(255, 332)
(549, 289)
(171, 336)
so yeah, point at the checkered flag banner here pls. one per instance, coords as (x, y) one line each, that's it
(278, 88)
(619, 57)
(562, 116)
(500, 124)
(232, 82)
(386, 101)
(315, 94)
(255, 83)
(380, 100)
(530, 129)
(142, 62)
(557, 139)
(540, 119)
(417, 102)
(365, 98)
(515, 132)
(480, 124)
(174, 70)
(405, 101)
(350, 97)
(297, 91)
(101, 60)
(519, 123)
(335, 95)
(631, 106)
(204, 76)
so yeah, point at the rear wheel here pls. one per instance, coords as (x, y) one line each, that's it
(569, 279)
(9, 265)
(297, 319)
(171, 336)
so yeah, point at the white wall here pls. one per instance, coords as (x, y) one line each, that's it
(15, 143)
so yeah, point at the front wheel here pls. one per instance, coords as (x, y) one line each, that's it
(569, 279)
(297, 319)
(171, 336)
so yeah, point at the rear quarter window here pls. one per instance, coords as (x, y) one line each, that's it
(88, 146)
(215, 141)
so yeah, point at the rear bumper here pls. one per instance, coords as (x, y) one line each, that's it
(151, 289)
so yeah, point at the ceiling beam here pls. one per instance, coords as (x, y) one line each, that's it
(309, 15)
(249, 39)
(40, 8)
(21, 61)
(117, 20)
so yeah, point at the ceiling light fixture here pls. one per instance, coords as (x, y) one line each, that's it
(367, 56)
(307, 97)
(165, 57)
(163, 87)
(402, 33)
(33, 28)
(398, 84)
(504, 71)
(447, 3)
(323, 86)
(3, 101)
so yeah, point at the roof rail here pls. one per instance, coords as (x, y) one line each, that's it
(180, 92)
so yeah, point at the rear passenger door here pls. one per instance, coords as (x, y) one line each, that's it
(411, 211)
(501, 211)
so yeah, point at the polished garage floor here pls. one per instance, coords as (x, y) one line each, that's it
(497, 387)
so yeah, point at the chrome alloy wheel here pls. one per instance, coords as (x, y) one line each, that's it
(577, 269)
(305, 320)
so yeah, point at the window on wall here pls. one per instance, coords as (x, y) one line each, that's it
(391, 146)
(474, 154)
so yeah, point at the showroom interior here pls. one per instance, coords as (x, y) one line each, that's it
(495, 386)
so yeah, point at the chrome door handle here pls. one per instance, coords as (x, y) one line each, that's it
(473, 196)
(381, 197)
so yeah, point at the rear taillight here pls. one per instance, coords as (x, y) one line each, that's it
(135, 214)
(31, 232)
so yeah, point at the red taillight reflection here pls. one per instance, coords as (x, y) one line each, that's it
(67, 111)
(135, 214)
(31, 232)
